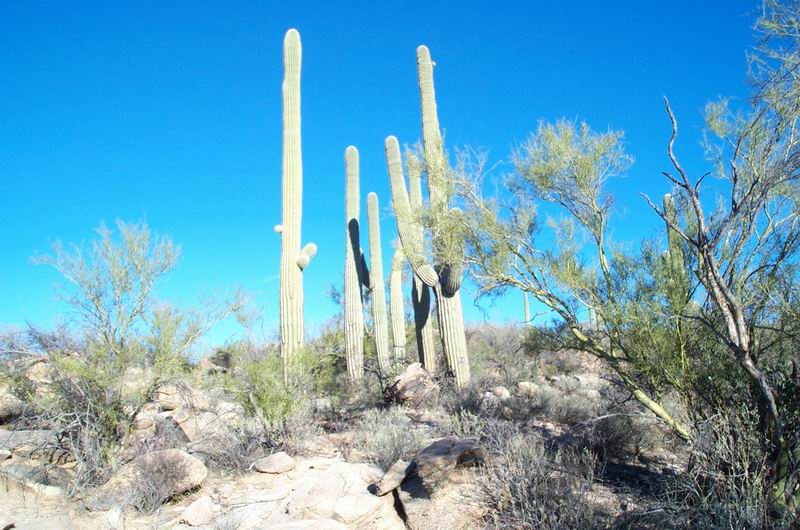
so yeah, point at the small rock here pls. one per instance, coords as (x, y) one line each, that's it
(34, 477)
(490, 403)
(322, 405)
(171, 396)
(200, 512)
(393, 477)
(275, 463)
(146, 417)
(5, 454)
(501, 392)
(12, 439)
(228, 409)
(526, 388)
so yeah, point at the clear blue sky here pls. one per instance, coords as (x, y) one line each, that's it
(171, 112)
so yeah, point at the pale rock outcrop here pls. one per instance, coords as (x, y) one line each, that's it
(414, 388)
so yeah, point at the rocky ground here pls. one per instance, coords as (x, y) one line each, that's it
(172, 457)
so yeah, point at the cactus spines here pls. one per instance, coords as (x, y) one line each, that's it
(420, 291)
(380, 321)
(353, 270)
(293, 259)
(396, 307)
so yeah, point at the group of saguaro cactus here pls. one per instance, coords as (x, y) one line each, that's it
(358, 276)
(442, 274)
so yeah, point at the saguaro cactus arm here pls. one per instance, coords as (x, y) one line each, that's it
(396, 305)
(408, 225)
(307, 252)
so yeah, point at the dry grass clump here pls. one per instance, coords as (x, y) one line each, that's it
(384, 436)
(154, 483)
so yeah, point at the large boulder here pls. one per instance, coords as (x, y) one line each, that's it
(433, 490)
(414, 387)
(440, 459)
(169, 472)
(16, 441)
(317, 493)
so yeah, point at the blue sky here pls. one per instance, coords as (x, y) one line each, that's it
(171, 112)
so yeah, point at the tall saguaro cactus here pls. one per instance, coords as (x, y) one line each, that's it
(445, 277)
(420, 292)
(354, 270)
(526, 308)
(678, 280)
(396, 307)
(380, 322)
(293, 258)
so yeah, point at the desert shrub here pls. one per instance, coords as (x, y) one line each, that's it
(616, 436)
(154, 483)
(564, 402)
(529, 486)
(497, 353)
(258, 381)
(385, 436)
(727, 484)
(470, 398)
(118, 347)
(236, 447)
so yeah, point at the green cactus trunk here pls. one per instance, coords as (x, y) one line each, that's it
(380, 321)
(448, 250)
(293, 258)
(396, 308)
(420, 292)
(451, 320)
(353, 271)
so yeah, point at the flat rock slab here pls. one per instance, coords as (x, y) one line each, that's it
(34, 477)
(275, 463)
(10, 440)
(316, 493)
(308, 524)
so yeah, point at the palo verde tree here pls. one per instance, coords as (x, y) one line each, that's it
(747, 244)
(566, 166)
